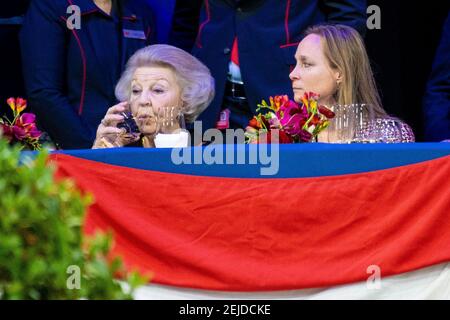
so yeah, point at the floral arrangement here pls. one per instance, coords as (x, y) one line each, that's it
(22, 129)
(295, 122)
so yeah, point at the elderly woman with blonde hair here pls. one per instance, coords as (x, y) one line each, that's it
(160, 88)
(332, 62)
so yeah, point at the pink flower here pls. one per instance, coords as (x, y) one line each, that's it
(295, 124)
(292, 117)
(26, 119)
(25, 127)
(19, 133)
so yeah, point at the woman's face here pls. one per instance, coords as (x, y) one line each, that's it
(153, 90)
(312, 72)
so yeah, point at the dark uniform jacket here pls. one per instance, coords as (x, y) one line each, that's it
(70, 75)
(268, 32)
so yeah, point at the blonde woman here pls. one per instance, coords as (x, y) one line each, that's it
(332, 61)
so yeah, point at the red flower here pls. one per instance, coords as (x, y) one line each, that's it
(21, 104)
(311, 95)
(260, 123)
(278, 101)
(305, 136)
(17, 105)
(283, 137)
(254, 123)
(23, 128)
(314, 121)
(19, 133)
(326, 112)
(291, 118)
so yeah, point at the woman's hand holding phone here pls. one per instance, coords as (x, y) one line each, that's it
(110, 133)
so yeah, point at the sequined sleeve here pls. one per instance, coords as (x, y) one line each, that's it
(394, 130)
(388, 130)
(407, 134)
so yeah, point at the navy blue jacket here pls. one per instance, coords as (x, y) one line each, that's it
(437, 97)
(268, 33)
(70, 75)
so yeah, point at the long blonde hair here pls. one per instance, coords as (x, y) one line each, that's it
(345, 51)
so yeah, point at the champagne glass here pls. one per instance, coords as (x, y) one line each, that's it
(171, 131)
(170, 119)
(364, 122)
(341, 128)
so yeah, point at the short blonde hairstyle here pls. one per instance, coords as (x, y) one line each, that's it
(194, 78)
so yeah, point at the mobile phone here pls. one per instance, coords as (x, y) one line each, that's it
(128, 123)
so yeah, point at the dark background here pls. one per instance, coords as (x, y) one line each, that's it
(402, 51)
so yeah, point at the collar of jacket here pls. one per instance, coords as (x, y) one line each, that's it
(88, 6)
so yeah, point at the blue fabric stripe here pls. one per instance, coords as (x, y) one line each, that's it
(295, 160)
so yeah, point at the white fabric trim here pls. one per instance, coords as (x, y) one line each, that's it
(427, 283)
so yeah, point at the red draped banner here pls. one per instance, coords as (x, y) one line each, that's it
(244, 234)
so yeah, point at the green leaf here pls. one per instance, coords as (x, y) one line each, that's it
(41, 235)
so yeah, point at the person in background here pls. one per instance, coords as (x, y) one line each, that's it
(70, 71)
(436, 103)
(249, 46)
